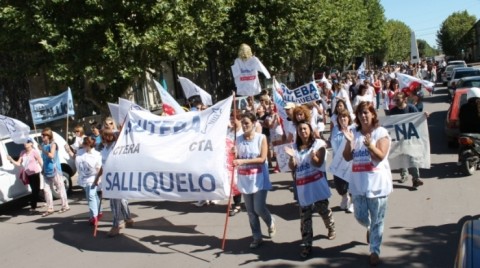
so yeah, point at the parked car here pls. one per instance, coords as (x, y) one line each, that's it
(468, 253)
(458, 73)
(468, 82)
(451, 122)
(447, 74)
(11, 188)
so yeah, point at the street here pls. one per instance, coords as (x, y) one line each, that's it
(422, 226)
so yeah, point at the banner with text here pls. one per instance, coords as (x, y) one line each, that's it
(49, 109)
(304, 94)
(410, 140)
(180, 157)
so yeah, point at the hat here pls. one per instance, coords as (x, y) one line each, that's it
(29, 140)
(289, 105)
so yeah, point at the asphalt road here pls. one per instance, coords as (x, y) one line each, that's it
(421, 230)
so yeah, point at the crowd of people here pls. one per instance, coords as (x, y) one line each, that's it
(349, 107)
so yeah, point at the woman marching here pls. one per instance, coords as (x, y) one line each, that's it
(119, 207)
(52, 171)
(307, 159)
(368, 146)
(88, 164)
(253, 177)
(32, 163)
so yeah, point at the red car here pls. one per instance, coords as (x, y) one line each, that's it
(451, 123)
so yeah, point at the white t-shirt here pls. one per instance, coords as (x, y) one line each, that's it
(88, 164)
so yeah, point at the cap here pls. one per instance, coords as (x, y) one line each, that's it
(289, 105)
(29, 140)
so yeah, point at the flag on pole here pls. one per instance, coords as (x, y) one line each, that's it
(114, 111)
(191, 89)
(49, 109)
(170, 105)
(408, 81)
(124, 106)
(13, 128)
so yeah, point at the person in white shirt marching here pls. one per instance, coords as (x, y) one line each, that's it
(88, 164)
(253, 177)
(368, 147)
(307, 159)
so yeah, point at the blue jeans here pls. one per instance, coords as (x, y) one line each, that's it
(93, 200)
(370, 212)
(256, 205)
(119, 209)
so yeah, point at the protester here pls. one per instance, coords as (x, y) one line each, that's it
(368, 146)
(109, 123)
(277, 136)
(234, 131)
(253, 177)
(95, 127)
(52, 172)
(361, 96)
(307, 159)
(377, 86)
(344, 123)
(119, 207)
(402, 107)
(88, 164)
(78, 139)
(31, 164)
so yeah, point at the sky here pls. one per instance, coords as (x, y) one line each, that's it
(425, 17)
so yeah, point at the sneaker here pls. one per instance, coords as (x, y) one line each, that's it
(213, 202)
(272, 230)
(344, 203)
(256, 243)
(331, 234)
(417, 182)
(306, 251)
(350, 208)
(373, 259)
(201, 203)
(114, 232)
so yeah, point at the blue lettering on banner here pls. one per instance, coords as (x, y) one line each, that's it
(404, 131)
(163, 127)
(157, 182)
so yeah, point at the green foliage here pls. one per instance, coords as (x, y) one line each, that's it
(425, 50)
(450, 37)
(397, 41)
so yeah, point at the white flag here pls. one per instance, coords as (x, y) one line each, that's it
(124, 106)
(191, 89)
(170, 105)
(13, 128)
(408, 81)
(114, 108)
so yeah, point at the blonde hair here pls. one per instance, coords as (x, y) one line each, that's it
(245, 52)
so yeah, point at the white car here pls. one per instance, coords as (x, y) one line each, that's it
(11, 187)
(457, 73)
(447, 74)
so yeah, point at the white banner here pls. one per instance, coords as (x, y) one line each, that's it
(179, 157)
(339, 167)
(282, 157)
(49, 109)
(410, 140)
(304, 94)
(169, 104)
(114, 112)
(13, 128)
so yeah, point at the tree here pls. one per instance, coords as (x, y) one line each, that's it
(450, 37)
(424, 49)
(397, 41)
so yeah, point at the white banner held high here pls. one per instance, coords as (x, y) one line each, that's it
(410, 140)
(304, 94)
(164, 157)
(49, 109)
(124, 106)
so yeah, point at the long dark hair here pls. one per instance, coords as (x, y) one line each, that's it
(311, 138)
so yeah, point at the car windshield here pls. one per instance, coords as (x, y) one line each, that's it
(14, 149)
(469, 83)
(466, 73)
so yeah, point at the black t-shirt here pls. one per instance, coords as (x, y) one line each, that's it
(468, 118)
(408, 109)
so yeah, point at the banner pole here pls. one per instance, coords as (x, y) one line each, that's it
(66, 131)
(227, 216)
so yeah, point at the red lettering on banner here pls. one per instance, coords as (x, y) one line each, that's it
(309, 179)
(250, 171)
(248, 78)
(362, 167)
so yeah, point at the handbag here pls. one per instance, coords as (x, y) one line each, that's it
(22, 176)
